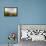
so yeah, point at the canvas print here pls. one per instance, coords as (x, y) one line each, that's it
(10, 11)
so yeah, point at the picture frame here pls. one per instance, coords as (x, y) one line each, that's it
(10, 11)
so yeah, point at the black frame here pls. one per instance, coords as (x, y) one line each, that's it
(11, 7)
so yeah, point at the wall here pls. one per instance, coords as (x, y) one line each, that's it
(29, 12)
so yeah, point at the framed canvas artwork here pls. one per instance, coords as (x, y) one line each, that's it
(10, 11)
